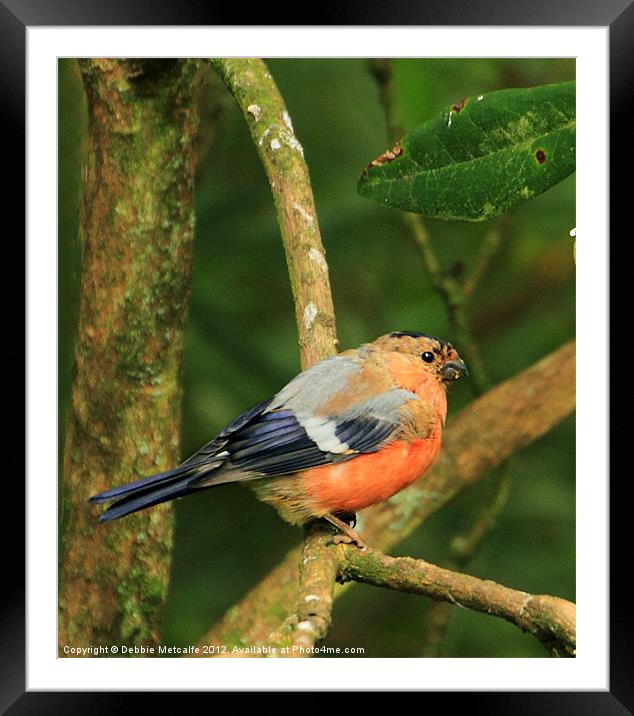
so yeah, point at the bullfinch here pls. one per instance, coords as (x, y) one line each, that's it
(347, 433)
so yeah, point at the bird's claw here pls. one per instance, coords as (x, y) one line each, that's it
(341, 538)
(345, 533)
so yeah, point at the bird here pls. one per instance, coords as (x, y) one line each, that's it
(346, 433)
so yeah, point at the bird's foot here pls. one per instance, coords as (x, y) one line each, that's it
(346, 534)
(350, 518)
(341, 538)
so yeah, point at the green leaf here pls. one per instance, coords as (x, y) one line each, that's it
(481, 157)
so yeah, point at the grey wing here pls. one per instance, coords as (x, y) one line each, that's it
(275, 417)
(286, 434)
(368, 425)
(363, 427)
(280, 442)
(290, 435)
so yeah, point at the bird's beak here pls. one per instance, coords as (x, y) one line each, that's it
(453, 369)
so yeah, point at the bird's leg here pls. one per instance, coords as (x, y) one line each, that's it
(349, 518)
(347, 535)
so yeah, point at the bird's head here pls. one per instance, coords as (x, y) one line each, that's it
(418, 354)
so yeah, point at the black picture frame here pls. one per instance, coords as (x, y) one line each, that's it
(618, 15)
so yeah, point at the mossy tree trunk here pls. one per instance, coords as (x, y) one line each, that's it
(137, 229)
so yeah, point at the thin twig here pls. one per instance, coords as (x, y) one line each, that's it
(488, 249)
(452, 294)
(455, 295)
(383, 73)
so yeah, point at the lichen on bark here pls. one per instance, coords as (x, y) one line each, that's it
(282, 158)
(136, 229)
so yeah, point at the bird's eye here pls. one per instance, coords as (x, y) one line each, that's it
(427, 356)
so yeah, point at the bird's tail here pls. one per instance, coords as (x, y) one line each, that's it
(153, 490)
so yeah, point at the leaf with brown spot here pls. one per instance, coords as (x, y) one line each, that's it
(480, 157)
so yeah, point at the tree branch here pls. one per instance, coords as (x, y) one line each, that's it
(464, 545)
(137, 229)
(282, 157)
(318, 571)
(550, 619)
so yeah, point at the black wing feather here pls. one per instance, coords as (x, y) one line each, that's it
(218, 443)
(365, 433)
(256, 444)
(275, 443)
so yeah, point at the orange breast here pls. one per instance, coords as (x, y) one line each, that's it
(371, 478)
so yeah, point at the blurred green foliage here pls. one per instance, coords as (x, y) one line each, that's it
(241, 341)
